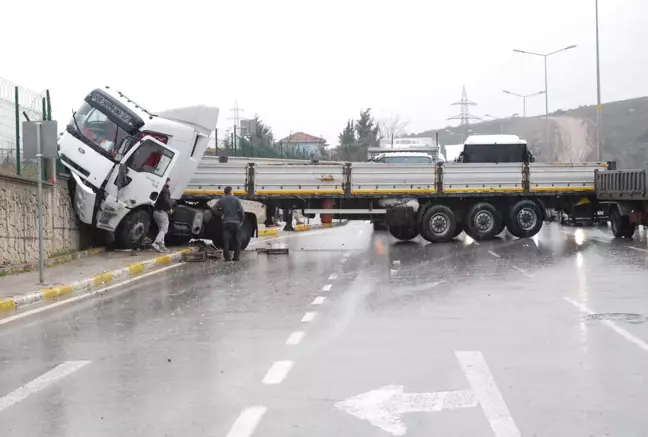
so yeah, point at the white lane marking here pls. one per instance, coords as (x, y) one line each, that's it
(523, 272)
(247, 421)
(489, 396)
(48, 378)
(396, 262)
(263, 240)
(327, 287)
(295, 338)
(494, 254)
(637, 249)
(333, 277)
(319, 300)
(278, 372)
(309, 317)
(84, 296)
(610, 324)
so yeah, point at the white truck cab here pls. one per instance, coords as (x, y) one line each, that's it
(495, 149)
(120, 156)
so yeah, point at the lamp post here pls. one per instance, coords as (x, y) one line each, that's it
(599, 107)
(524, 98)
(545, 56)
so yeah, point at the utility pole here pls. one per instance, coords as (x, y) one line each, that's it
(599, 106)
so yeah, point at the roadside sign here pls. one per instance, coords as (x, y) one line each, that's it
(48, 139)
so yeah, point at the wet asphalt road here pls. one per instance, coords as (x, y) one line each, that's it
(201, 349)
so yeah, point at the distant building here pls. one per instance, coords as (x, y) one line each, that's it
(301, 142)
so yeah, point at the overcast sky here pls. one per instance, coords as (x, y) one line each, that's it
(309, 66)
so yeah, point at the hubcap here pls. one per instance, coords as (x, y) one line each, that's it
(526, 218)
(137, 232)
(484, 221)
(439, 223)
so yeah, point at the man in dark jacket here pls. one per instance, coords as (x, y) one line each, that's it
(233, 217)
(162, 209)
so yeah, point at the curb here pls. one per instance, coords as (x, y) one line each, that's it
(85, 285)
(304, 228)
(55, 260)
(266, 231)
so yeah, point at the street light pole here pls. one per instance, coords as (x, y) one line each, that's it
(545, 56)
(599, 107)
(524, 98)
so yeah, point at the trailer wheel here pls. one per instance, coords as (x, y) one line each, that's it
(525, 219)
(483, 221)
(133, 228)
(438, 224)
(246, 231)
(621, 226)
(403, 233)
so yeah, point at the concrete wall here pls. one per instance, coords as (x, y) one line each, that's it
(18, 220)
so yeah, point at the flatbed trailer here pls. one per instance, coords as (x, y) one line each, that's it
(626, 193)
(478, 198)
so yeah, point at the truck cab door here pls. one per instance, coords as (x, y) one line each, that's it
(143, 171)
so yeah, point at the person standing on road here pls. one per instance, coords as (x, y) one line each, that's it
(161, 212)
(233, 217)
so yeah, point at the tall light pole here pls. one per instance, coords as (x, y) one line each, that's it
(524, 97)
(599, 107)
(545, 56)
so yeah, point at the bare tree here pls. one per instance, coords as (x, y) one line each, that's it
(392, 127)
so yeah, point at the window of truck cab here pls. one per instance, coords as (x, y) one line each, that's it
(97, 127)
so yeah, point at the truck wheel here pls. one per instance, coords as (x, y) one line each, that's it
(621, 226)
(245, 234)
(132, 229)
(483, 221)
(438, 224)
(525, 219)
(403, 233)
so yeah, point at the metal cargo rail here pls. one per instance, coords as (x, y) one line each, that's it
(622, 184)
(257, 180)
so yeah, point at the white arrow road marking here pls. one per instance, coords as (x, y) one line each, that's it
(384, 407)
(488, 395)
(46, 379)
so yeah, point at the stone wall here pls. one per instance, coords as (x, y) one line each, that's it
(19, 220)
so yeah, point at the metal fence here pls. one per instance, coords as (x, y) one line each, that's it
(23, 103)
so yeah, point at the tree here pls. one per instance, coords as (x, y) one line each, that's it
(367, 130)
(393, 127)
(347, 142)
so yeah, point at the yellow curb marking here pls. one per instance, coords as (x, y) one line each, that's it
(55, 292)
(135, 268)
(7, 305)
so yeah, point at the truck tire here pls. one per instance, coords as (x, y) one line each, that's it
(483, 222)
(403, 233)
(246, 231)
(621, 226)
(438, 224)
(133, 228)
(525, 219)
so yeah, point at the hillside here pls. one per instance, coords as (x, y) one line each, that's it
(625, 133)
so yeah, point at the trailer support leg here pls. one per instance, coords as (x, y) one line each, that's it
(269, 219)
(288, 218)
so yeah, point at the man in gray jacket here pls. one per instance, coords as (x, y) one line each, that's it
(233, 216)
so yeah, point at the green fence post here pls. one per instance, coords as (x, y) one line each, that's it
(49, 105)
(17, 132)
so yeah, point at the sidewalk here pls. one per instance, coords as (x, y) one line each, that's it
(79, 275)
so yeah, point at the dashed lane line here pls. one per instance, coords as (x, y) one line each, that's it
(309, 316)
(327, 287)
(277, 372)
(247, 421)
(333, 277)
(295, 338)
(43, 381)
(523, 272)
(494, 254)
(610, 324)
(319, 300)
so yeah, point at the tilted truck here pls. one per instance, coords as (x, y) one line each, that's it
(120, 154)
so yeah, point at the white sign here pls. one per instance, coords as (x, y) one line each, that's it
(385, 406)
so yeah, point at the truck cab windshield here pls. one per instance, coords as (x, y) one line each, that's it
(103, 134)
